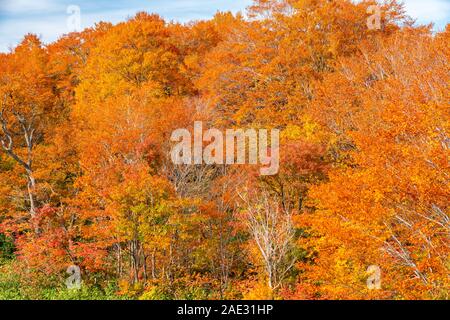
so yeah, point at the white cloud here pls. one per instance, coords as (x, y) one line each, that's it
(28, 6)
(48, 18)
(426, 11)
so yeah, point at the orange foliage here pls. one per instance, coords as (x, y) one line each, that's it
(86, 176)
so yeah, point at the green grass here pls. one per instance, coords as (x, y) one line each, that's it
(12, 287)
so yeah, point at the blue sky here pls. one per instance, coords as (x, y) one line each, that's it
(48, 18)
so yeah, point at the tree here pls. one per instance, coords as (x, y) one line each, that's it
(26, 104)
(390, 133)
(272, 230)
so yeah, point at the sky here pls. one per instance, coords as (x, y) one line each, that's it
(52, 18)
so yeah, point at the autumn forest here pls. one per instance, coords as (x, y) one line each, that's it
(359, 208)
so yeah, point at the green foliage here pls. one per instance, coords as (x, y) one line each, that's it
(6, 248)
(13, 287)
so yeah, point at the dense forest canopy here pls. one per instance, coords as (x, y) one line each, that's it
(86, 177)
